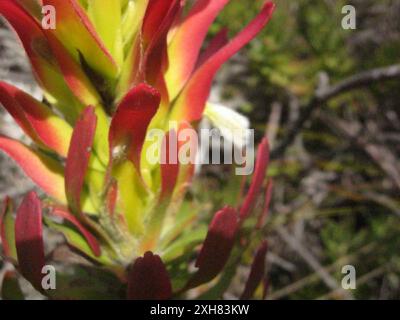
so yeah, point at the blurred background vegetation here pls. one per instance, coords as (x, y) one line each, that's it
(335, 164)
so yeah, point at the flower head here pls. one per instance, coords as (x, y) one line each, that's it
(110, 72)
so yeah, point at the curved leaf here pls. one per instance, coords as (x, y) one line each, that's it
(91, 240)
(267, 202)
(257, 181)
(37, 120)
(257, 272)
(44, 171)
(217, 247)
(45, 68)
(187, 41)
(220, 40)
(77, 33)
(106, 17)
(191, 102)
(131, 120)
(160, 16)
(78, 157)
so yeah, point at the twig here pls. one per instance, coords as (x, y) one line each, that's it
(298, 285)
(380, 154)
(324, 93)
(273, 123)
(279, 261)
(363, 279)
(311, 261)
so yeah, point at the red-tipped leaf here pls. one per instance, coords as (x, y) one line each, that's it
(191, 102)
(131, 120)
(156, 12)
(90, 238)
(187, 42)
(217, 246)
(159, 18)
(220, 40)
(267, 202)
(46, 55)
(79, 156)
(37, 120)
(44, 171)
(257, 180)
(78, 34)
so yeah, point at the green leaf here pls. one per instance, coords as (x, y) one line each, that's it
(106, 17)
(87, 283)
(10, 289)
(77, 241)
(7, 230)
(184, 244)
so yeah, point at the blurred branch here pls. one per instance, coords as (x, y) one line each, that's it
(362, 280)
(385, 201)
(314, 277)
(380, 154)
(282, 263)
(273, 123)
(309, 258)
(325, 93)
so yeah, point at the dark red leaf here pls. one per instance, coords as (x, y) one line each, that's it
(155, 15)
(29, 239)
(258, 179)
(217, 246)
(257, 272)
(78, 157)
(149, 279)
(160, 16)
